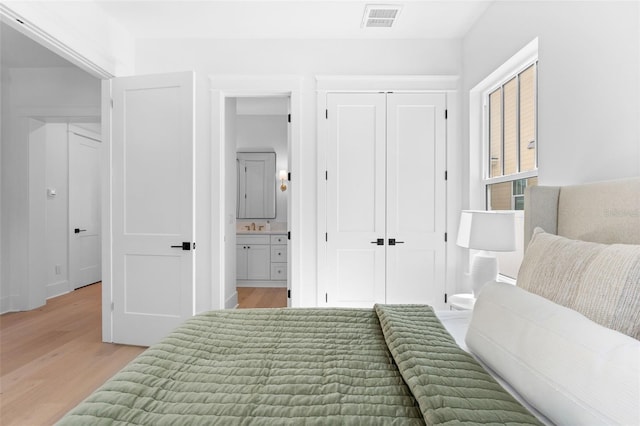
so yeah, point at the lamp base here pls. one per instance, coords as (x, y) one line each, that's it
(484, 269)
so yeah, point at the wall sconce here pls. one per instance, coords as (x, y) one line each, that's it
(283, 176)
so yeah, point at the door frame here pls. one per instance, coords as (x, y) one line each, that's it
(448, 84)
(223, 87)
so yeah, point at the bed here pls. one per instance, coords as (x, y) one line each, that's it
(545, 351)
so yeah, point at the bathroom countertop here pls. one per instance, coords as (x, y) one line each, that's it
(272, 232)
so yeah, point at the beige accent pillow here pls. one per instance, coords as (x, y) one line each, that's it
(601, 281)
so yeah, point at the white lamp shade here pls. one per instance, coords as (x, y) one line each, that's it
(487, 230)
(282, 175)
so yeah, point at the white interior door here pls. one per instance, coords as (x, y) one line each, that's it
(416, 198)
(355, 199)
(153, 205)
(386, 162)
(85, 266)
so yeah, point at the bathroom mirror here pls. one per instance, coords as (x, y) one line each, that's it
(256, 185)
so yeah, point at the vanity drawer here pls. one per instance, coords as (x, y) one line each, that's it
(252, 239)
(279, 239)
(279, 254)
(278, 271)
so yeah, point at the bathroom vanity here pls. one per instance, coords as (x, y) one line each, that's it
(261, 259)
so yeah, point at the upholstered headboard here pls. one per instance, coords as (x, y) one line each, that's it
(602, 212)
(590, 272)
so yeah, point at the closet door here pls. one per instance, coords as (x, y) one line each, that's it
(416, 198)
(355, 199)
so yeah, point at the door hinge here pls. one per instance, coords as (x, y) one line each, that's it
(111, 306)
(194, 245)
(326, 175)
(288, 294)
(445, 298)
(445, 237)
(326, 298)
(111, 102)
(288, 118)
(289, 176)
(326, 236)
(326, 114)
(446, 114)
(288, 235)
(446, 175)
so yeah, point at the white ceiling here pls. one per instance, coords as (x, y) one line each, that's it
(302, 19)
(251, 19)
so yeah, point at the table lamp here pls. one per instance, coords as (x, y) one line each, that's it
(488, 231)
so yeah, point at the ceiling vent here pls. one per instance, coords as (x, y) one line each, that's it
(380, 15)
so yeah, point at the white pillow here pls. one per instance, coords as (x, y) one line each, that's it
(574, 371)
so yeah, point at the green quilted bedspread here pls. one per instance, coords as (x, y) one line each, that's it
(388, 365)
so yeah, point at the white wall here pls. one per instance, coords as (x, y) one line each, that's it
(264, 132)
(32, 291)
(44, 94)
(304, 58)
(231, 138)
(54, 91)
(57, 208)
(4, 111)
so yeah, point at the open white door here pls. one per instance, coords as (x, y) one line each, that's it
(152, 148)
(85, 265)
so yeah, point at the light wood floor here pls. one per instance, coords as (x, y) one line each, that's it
(51, 358)
(262, 297)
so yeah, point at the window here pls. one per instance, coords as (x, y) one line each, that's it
(510, 123)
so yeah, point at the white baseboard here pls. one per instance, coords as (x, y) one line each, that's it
(232, 301)
(253, 283)
(57, 289)
(5, 304)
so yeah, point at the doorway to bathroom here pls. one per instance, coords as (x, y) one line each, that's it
(260, 128)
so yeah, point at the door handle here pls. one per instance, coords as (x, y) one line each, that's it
(78, 230)
(379, 241)
(184, 246)
(393, 242)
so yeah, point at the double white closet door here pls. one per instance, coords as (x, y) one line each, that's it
(386, 198)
